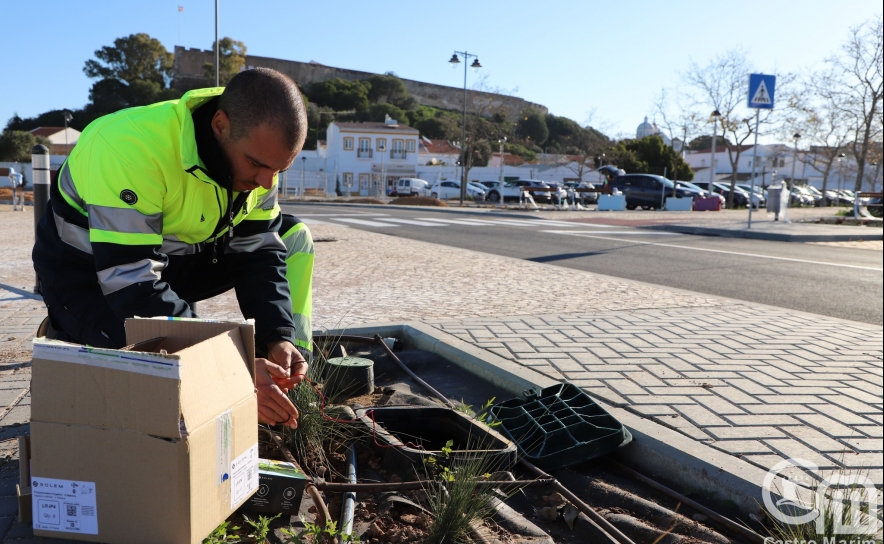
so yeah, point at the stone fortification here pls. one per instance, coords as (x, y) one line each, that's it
(189, 74)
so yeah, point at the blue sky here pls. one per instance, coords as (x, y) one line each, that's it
(572, 56)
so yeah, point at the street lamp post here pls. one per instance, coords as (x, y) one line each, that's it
(475, 66)
(301, 190)
(795, 137)
(716, 115)
(840, 170)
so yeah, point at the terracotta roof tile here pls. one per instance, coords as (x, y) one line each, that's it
(45, 131)
(440, 147)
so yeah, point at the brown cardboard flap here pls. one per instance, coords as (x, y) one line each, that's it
(217, 361)
(80, 394)
(180, 334)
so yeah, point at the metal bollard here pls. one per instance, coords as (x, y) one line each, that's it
(40, 169)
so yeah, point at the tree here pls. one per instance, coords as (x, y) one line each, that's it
(136, 57)
(389, 89)
(821, 126)
(678, 120)
(852, 84)
(576, 146)
(650, 155)
(232, 58)
(441, 127)
(16, 145)
(136, 71)
(532, 127)
(704, 142)
(721, 85)
(340, 94)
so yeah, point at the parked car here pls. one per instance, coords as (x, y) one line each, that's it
(512, 190)
(759, 198)
(539, 196)
(446, 189)
(646, 191)
(741, 197)
(412, 187)
(698, 192)
(816, 194)
(479, 186)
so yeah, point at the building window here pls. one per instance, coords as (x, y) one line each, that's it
(364, 148)
(381, 144)
(348, 179)
(348, 144)
(398, 151)
(409, 146)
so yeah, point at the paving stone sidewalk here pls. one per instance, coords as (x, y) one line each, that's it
(757, 382)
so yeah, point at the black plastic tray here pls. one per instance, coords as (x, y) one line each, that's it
(560, 426)
(395, 427)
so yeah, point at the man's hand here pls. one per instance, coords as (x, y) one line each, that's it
(273, 405)
(290, 360)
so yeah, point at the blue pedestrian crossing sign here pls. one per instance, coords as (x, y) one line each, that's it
(761, 91)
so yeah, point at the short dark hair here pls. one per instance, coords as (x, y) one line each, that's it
(261, 95)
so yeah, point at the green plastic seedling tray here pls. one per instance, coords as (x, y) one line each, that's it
(559, 427)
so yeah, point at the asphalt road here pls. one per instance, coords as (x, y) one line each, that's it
(833, 281)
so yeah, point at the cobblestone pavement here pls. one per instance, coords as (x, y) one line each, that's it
(757, 382)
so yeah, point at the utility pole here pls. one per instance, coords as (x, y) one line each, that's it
(217, 50)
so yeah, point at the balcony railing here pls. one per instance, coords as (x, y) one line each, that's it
(363, 153)
(397, 153)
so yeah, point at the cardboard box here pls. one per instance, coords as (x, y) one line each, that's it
(280, 488)
(157, 443)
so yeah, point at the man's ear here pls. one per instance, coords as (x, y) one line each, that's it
(221, 125)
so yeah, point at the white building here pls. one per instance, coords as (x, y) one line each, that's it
(362, 159)
(370, 157)
(62, 139)
(650, 129)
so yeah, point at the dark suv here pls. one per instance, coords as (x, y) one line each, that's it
(646, 190)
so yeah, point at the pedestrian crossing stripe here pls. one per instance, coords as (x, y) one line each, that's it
(545, 225)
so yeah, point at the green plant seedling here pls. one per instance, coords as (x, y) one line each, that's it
(483, 415)
(221, 536)
(260, 527)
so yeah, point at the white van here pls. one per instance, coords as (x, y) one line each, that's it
(412, 187)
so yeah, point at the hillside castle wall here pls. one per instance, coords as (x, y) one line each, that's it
(189, 74)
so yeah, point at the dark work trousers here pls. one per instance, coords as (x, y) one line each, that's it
(84, 317)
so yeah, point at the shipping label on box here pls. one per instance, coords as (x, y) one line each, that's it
(243, 476)
(281, 486)
(64, 506)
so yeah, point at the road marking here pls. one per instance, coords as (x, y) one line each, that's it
(635, 232)
(364, 222)
(412, 222)
(585, 235)
(454, 221)
(311, 221)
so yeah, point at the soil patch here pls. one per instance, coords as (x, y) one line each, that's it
(419, 201)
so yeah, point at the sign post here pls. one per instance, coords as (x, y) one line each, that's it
(761, 97)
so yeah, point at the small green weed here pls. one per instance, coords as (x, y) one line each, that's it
(221, 536)
(482, 415)
(317, 533)
(260, 527)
